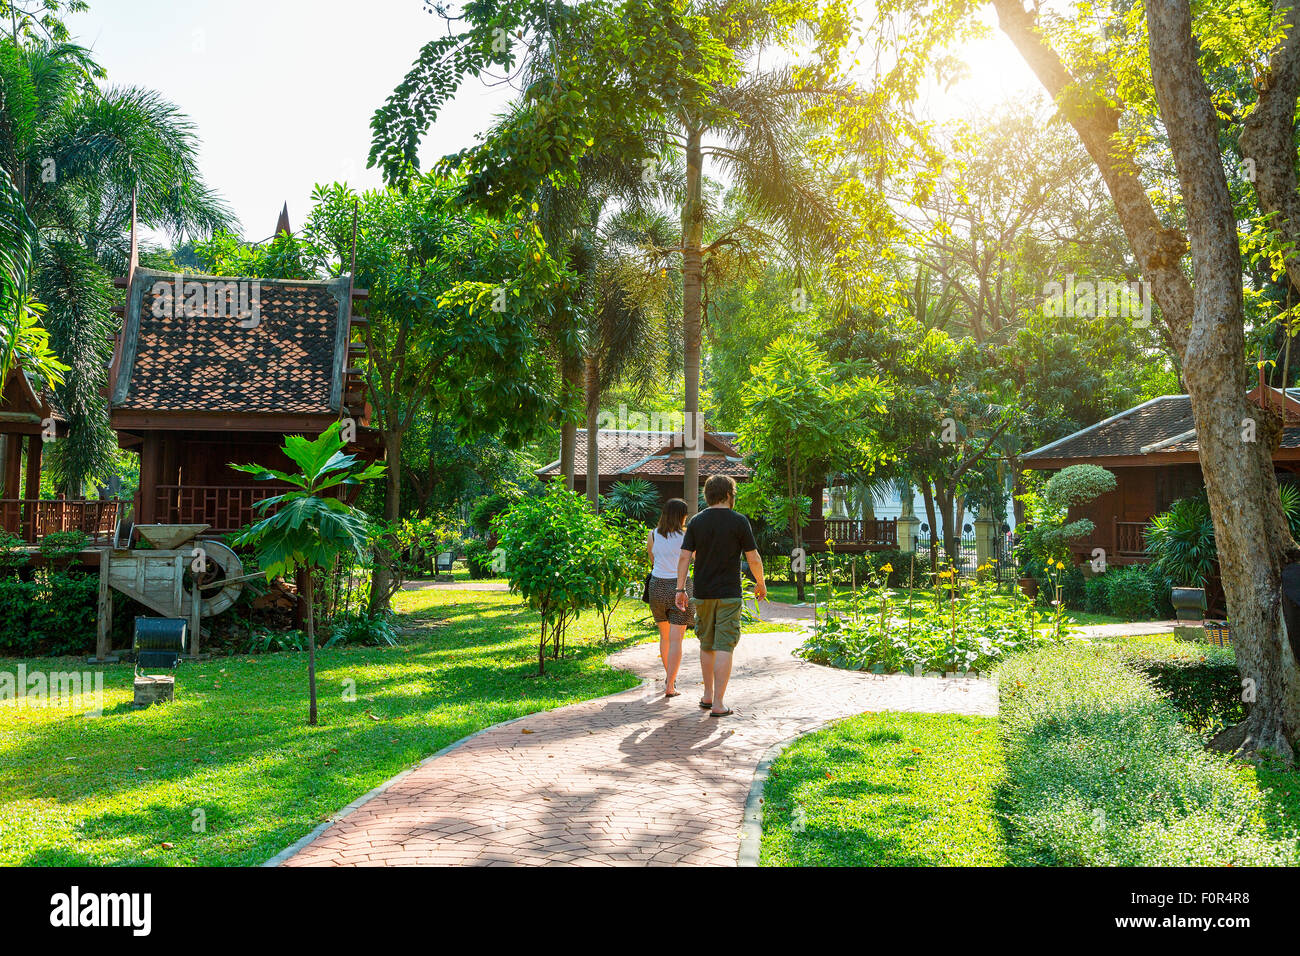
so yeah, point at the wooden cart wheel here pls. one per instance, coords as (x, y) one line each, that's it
(221, 565)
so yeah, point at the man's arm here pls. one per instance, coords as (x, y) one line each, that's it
(755, 562)
(684, 560)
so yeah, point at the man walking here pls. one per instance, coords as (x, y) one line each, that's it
(715, 539)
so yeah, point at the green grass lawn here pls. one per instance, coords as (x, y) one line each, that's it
(887, 789)
(234, 749)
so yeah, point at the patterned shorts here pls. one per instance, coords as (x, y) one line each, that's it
(663, 602)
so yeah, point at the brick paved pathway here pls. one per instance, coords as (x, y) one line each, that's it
(629, 779)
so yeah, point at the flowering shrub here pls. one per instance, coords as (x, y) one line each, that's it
(952, 626)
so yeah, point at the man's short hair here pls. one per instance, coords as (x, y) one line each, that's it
(719, 489)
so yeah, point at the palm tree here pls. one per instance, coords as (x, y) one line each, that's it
(86, 163)
(635, 82)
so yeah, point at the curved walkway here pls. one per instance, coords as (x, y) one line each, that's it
(634, 778)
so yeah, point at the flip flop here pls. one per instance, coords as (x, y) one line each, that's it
(675, 693)
(706, 704)
(722, 713)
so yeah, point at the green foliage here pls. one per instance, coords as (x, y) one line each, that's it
(1130, 593)
(51, 616)
(1181, 543)
(958, 627)
(805, 418)
(1200, 680)
(1101, 773)
(636, 498)
(1290, 494)
(306, 529)
(488, 507)
(621, 563)
(1046, 535)
(478, 556)
(1077, 485)
(555, 553)
(357, 628)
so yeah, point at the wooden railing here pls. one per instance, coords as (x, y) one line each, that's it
(877, 532)
(1130, 538)
(226, 508)
(33, 519)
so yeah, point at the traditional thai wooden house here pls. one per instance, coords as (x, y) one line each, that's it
(28, 418)
(1152, 451)
(213, 370)
(658, 457)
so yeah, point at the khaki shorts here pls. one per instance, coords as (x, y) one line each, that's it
(717, 622)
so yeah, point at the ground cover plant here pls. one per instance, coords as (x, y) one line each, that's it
(1100, 772)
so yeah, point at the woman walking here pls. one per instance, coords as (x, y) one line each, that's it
(665, 545)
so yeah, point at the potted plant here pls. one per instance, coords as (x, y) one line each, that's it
(1181, 545)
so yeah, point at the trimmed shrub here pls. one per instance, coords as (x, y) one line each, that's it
(1096, 595)
(48, 619)
(1101, 773)
(478, 558)
(1129, 593)
(1074, 589)
(1200, 680)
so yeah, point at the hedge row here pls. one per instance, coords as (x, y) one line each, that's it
(40, 618)
(1101, 773)
(1200, 680)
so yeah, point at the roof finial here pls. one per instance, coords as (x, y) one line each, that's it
(283, 225)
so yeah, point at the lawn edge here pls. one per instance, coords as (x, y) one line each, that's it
(365, 798)
(751, 825)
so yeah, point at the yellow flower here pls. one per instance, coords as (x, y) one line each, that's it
(886, 567)
(1060, 565)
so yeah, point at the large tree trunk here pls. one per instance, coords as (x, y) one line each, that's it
(927, 496)
(1238, 473)
(593, 418)
(944, 497)
(692, 281)
(382, 580)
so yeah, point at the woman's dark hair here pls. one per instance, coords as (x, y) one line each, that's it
(673, 518)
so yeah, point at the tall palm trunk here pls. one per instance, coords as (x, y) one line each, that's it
(593, 418)
(571, 371)
(692, 281)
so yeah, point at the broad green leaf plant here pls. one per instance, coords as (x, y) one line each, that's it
(305, 527)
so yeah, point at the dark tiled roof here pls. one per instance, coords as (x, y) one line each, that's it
(1290, 439)
(671, 466)
(291, 362)
(1126, 433)
(633, 453)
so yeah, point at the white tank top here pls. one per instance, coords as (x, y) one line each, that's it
(666, 550)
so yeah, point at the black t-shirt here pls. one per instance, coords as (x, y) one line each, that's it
(718, 537)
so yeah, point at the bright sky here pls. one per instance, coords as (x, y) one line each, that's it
(282, 91)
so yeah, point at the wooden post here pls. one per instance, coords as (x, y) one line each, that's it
(196, 613)
(13, 465)
(32, 488)
(104, 610)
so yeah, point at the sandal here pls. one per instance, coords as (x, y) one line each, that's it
(675, 693)
(706, 704)
(722, 713)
